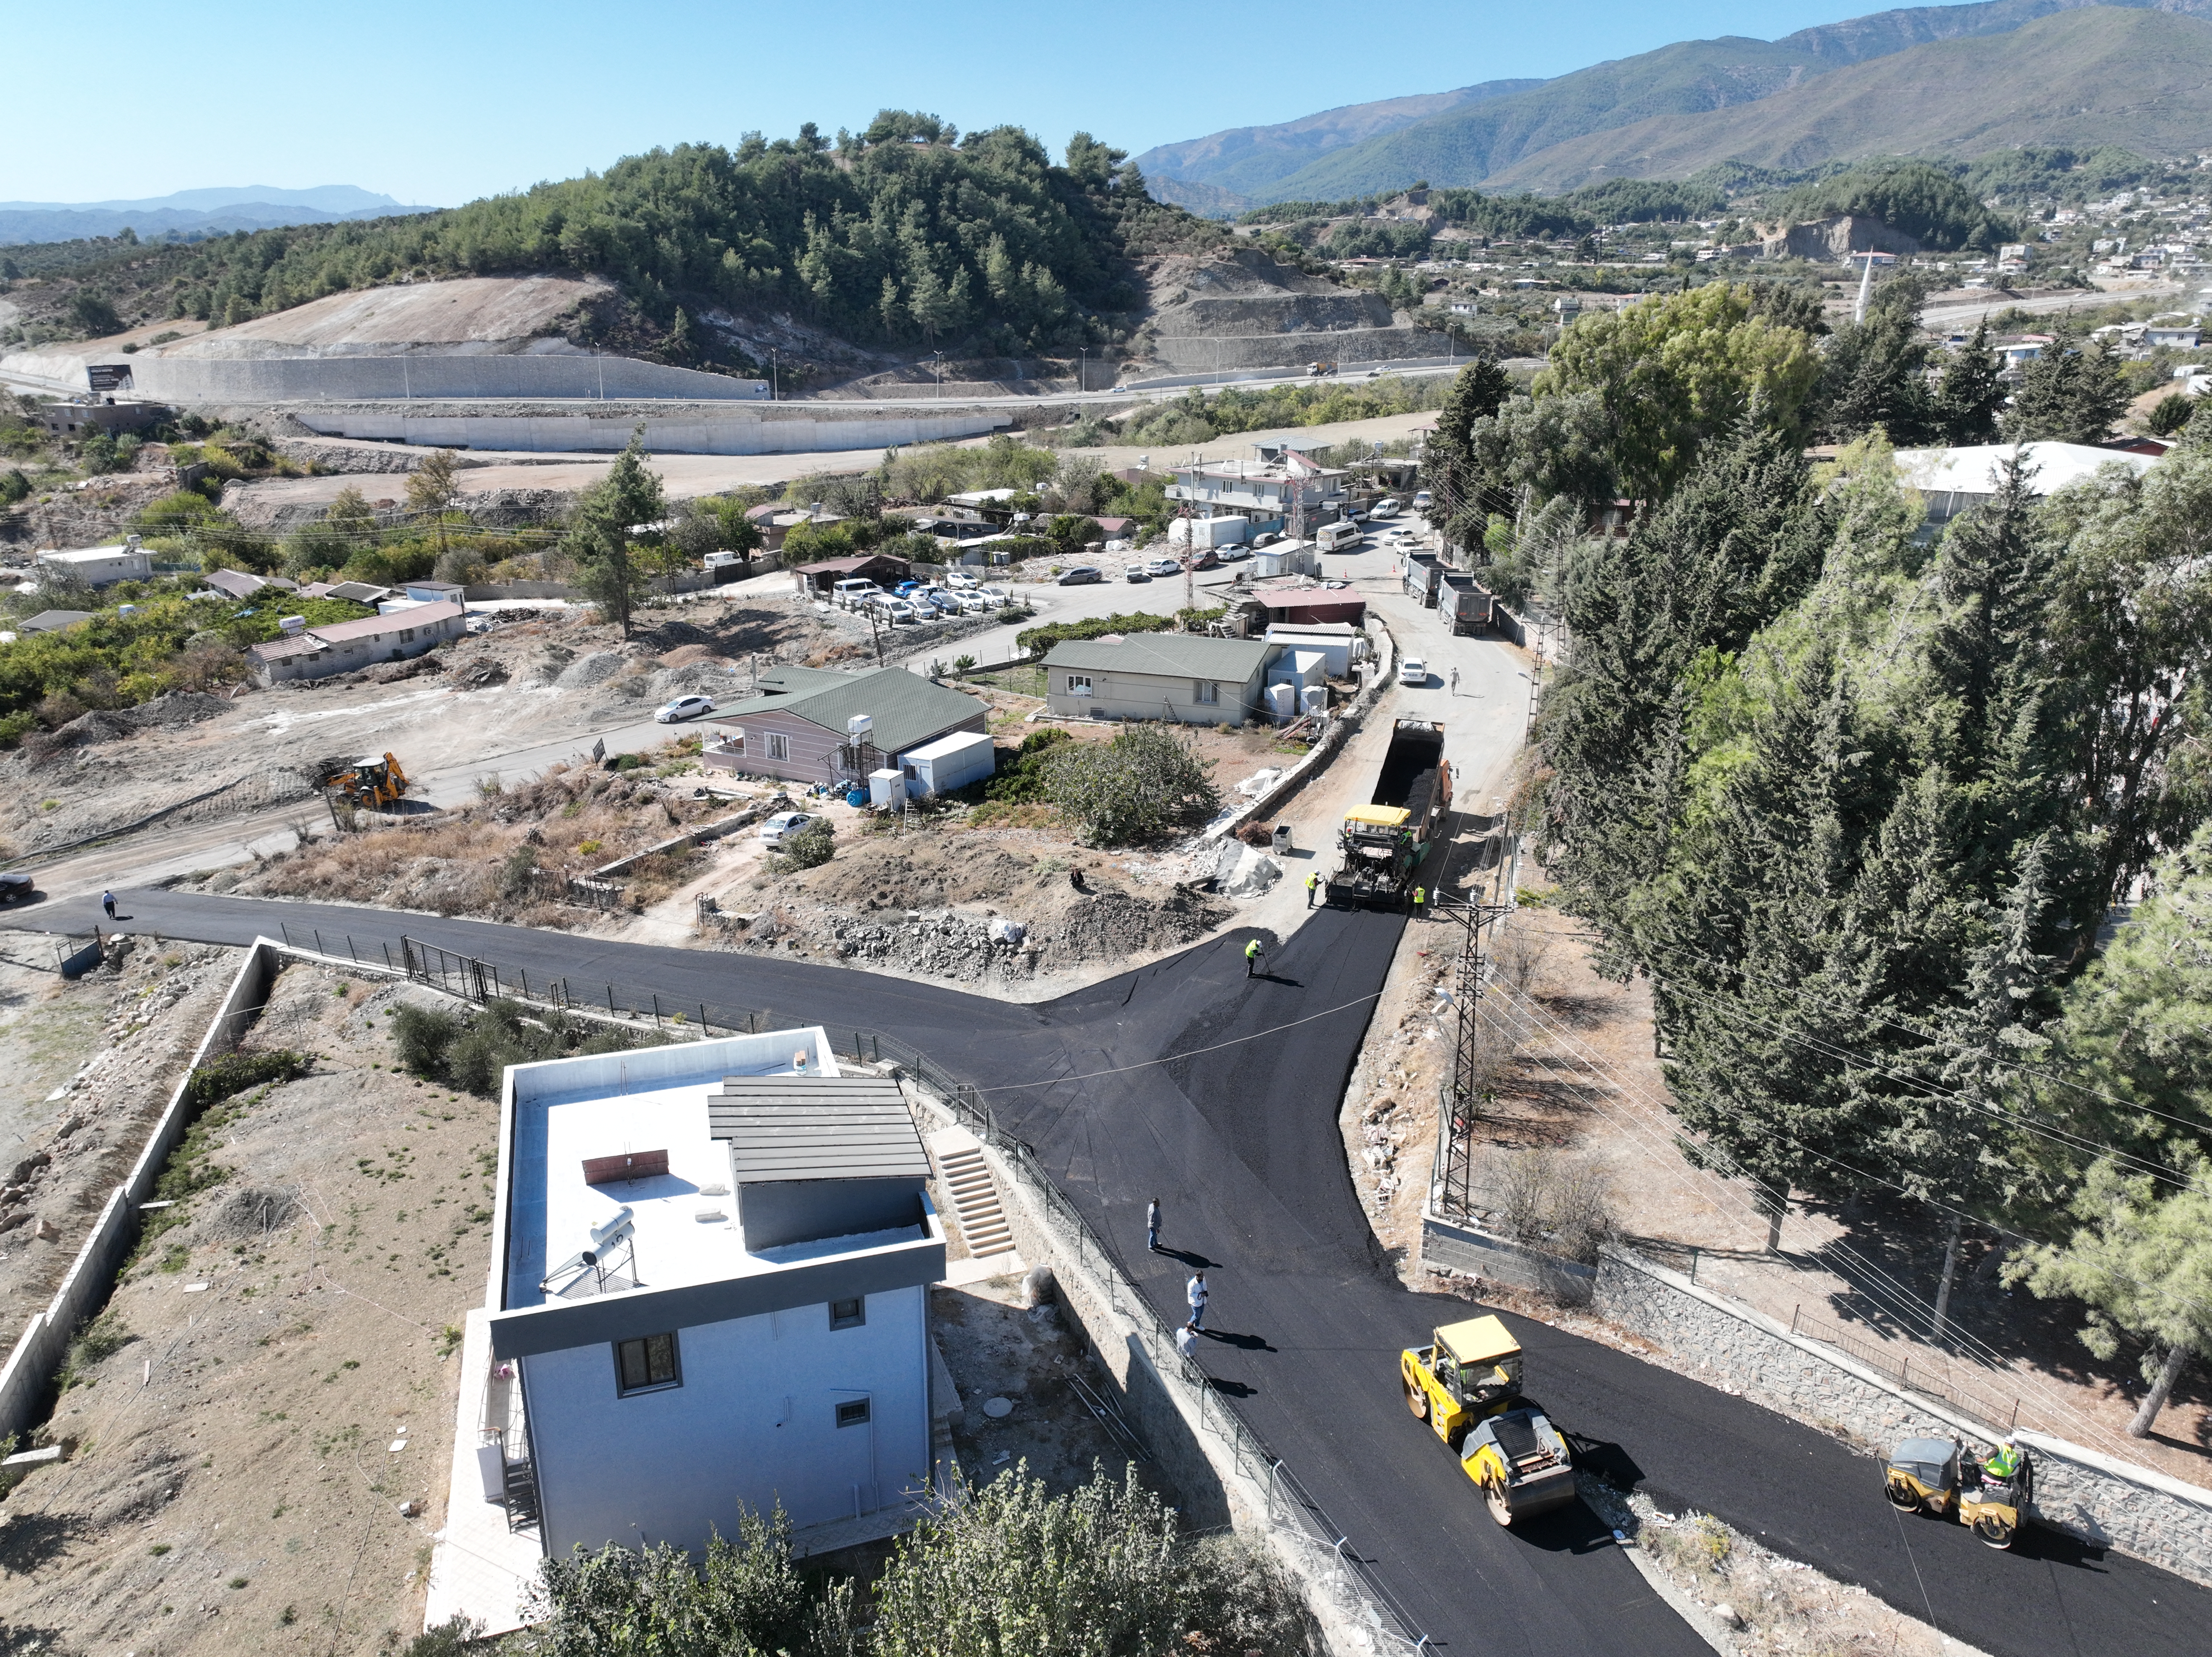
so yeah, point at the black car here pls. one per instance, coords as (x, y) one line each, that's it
(17, 889)
(1081, 576)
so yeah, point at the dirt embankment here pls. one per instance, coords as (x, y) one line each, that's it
(971, 906)
(102, 1053)
(262, 1418)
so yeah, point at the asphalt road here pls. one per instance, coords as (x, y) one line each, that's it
(1218, 1093)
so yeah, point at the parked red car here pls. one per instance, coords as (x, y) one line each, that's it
(1207, 559)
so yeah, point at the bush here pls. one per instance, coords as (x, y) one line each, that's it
(2169, 414)
(1133, 788)
(234, 1072)
(14, 486)
(810, 848)
(472, 1053)
(422, 1036)
(1023, 782)
(1039, 640)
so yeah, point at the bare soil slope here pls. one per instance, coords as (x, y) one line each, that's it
(468, 315)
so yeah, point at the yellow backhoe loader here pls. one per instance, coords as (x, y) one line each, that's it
(1942, 1478)
(1466, 1384)
(370, 782)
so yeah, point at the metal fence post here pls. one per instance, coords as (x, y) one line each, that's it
(319, 941)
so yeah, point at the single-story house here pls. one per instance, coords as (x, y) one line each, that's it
(1153, 675)
(775, 522)
(1954, 481)
(881, 568)
(100, 566)
(800, 723)
(243, 583)
(434, 592)
(341, 646)
(53, 620)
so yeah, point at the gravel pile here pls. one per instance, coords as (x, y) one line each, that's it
(588, 671)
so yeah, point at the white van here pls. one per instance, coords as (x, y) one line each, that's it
(852, 594)
(1337, 537)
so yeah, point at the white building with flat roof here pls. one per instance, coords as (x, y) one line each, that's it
(709, 1294)
(100, 566)
(1954, 481)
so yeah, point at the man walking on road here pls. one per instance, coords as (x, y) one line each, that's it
(1196, 1293)
(107, 902)
(1455, 681)
(1252, 959)
(1313, 885)
(1152, 1226)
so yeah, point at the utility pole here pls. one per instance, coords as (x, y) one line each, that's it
(1866, 282)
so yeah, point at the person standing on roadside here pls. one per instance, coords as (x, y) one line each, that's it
(1420, 897)
(107, 902)
(1195, 1291)
(1252, 958)
(1455, 681)
(1313, 885)
(1152, 1226)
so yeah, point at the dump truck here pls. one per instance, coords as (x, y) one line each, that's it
(1465, 1385)
(1380, 844)
(369, 781)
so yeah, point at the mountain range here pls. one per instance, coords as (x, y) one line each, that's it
(210, 211)
(1945, 82)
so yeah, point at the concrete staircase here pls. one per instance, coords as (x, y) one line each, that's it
(965, 1179)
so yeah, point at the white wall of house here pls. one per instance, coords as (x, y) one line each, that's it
(1081, 694)
(751, 1423)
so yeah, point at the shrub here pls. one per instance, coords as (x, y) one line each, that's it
(100, 1337)
(1146, 780)
(810, 848)
(1023, 782)
(2169, 414)
(422, 1036)
(1039, 640)
(234, 1072)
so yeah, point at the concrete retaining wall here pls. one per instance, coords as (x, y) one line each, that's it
(2109, 1502)
(310, 379)
(28, 1375)
(1462, 1248)
(1190, 352)
(582, 434)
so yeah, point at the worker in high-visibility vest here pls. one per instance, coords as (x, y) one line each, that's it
(1252, 958)
(2003, 1464)
(1313, 885)
(1420, 896)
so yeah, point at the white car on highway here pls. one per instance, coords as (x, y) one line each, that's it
(1413, 671)
(684, 708)
(775, 831)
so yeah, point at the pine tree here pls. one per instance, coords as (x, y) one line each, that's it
(2070, 394)
(1969, 394)
(1873, 372)
(599, 535)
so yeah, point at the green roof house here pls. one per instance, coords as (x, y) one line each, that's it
(1157, 676)
(800, 724)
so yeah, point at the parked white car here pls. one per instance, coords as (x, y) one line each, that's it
(775, 831)
(1386, 508)
(961, 581)
(684, 708)
(974, 603)
(1413, 671)
(1000, 595)
(1164, 566)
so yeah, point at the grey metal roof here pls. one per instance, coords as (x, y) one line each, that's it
(1174, 654)
(904, 707)
(817, 1127)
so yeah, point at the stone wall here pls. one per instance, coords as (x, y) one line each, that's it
(2100, 1498)
(1454, 1245)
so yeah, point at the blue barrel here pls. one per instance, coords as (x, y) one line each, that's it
(856, 797)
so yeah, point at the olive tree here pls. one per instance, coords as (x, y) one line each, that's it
(1146, 780)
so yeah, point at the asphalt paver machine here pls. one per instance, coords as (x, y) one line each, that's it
(1466, 1384)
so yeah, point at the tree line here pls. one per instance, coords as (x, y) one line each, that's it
(1863, 796)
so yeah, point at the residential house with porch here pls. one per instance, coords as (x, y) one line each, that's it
(800, 723)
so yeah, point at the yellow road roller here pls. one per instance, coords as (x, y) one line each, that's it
(1466, 1384)
(1942, 1478)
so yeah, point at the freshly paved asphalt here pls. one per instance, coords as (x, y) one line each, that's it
(1237, 1137)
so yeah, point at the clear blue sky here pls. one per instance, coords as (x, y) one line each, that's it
(439, 103)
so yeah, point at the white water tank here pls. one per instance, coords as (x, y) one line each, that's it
(857, 727)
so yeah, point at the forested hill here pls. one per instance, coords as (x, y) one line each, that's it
(906, 235)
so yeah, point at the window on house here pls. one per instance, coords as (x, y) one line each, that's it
(778, 745)
(1079, 684)
(848, 1314)
(647, 1365)
(1206, 692)
(406, 632)
(854, 1413)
